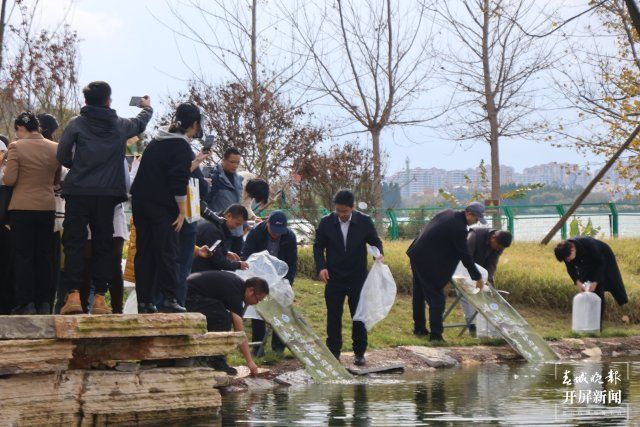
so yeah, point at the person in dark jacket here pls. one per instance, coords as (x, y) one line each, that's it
(591, 260)
(187, 236)
(434, 255)
(273, 236)
(226, 189)
(340, 254)
(159, 204)
(218, 228)
(92, 147)
(486, 245)
(222, 297)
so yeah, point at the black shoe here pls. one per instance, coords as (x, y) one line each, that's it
(436, 338)
(359, 360)
(43, 308)
(473, 331)
(220, 364)
(147, 308)
(172, 306)
(25, 309)
(421, 332)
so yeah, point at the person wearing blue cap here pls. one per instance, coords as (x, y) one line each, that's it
(434, 255)
(274, 236)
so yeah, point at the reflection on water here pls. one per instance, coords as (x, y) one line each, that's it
(488, 394)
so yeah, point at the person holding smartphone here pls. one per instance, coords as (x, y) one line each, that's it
(218, 227)
(159, 204)
(92, 147)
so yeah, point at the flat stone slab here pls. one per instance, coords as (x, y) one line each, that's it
(27, 327)
(88, 352)
(29, 356)
(435, 357)
(83, 397)
(102, 326)
(387, 368)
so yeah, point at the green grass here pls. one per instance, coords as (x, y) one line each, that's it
(539, 287)
(529, 272)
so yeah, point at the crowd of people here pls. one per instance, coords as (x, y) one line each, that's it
(63, 229)
(64, 225)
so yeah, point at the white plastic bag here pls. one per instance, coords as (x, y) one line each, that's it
(131, 305)
(377, 296)
(272, 270)
(586, 312)
(462, 277)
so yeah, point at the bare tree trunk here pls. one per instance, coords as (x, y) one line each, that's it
(259, 130)
(3, 16)
(492, 113)
(377, 170)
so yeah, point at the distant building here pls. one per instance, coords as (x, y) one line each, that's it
(563, 175)
(420, 181)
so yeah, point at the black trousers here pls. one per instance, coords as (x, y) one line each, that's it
(218, 317)
(32, 243)
(156, 258)
(116, 282)
(97, 213)
(419, 305)
(6, 272)
(433, 295)
(258, 331)
(57, 252)
(334, 296)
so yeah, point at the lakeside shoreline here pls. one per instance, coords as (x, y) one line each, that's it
(288, 371)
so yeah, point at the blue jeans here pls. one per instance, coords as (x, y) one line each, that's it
(185, 258)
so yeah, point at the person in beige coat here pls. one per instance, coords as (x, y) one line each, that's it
(32, 170)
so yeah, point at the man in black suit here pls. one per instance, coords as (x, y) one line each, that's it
(340, 254)
(486, 246)
(434, 255)
(590, 260)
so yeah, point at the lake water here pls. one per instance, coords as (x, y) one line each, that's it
(505, 394)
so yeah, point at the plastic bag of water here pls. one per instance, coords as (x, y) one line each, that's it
(462, 278)
(377, 295)
(586, 311)
(273, 270)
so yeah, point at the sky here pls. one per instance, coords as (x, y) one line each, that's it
(128, 44)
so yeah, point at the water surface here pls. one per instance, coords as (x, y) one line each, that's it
(517, 394)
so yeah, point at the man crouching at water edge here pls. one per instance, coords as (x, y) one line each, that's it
(340, 254)
(590, 260)
(222, 297)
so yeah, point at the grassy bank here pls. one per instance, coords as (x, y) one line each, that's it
(529, 272)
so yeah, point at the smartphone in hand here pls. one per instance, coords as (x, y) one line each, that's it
(135, 101)
(213, 247)
(207, 143)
